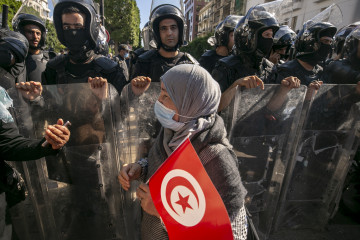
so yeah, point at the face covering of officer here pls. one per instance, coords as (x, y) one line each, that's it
(323, 49)
(76, 37)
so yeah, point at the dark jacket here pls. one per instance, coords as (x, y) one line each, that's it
(152, 64)
(294, 68)
(209, 59)
(60, 70)
(229, 69)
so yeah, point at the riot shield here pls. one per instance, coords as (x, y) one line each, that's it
(138, 130)
(261, 127)
(75, 194)
(328, 142)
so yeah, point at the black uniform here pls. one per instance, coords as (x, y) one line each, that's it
(341, 72)
(134, 56)
(294, 68)
(61, 71)
(35, 65)
(152, 64)
(123, 65)
(209, 59)
(231, 68)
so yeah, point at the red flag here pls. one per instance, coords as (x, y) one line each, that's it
(187, 200)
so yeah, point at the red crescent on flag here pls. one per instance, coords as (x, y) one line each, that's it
(179, 181)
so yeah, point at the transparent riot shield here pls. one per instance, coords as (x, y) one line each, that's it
(328, 141)
(138, 130)
(261, 126)
(74, 194)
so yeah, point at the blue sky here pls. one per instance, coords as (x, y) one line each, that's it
(144, 6)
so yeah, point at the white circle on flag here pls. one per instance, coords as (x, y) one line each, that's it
(186, 201)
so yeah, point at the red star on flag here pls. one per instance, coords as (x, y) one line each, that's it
(183, 201)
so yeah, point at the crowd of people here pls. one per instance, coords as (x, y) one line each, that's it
(249, 51)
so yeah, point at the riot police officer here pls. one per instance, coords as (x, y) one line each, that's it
(168, 26)
(253, 41)
(347, 70)
(13, 51)
(223, 40)
(34, 30)
(77, 26)
(312, 46)
(122, 58)
(283, 40)
(340, 37)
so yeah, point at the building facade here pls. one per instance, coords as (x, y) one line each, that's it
(41, 6)
(215, 11)
(192, 9)
(302, 10)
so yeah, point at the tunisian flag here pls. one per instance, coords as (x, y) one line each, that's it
(186, 199)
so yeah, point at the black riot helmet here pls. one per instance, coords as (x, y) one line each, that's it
(308, 39)
(247, 31)
(163, 12)
(341, 35)
(351, 44)
(284, 37)
(16, 42)
(24, 19)
(224, 28)
(92, 21)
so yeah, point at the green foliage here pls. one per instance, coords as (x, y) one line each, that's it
(198, 46)
(122, 20)
(51, 38)
(13, 8)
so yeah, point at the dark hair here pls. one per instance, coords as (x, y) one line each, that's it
(71, 9)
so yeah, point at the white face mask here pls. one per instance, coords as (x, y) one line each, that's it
(165, 117)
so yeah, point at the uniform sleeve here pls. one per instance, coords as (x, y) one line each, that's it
(14, 147)
(140, 69)
(222, 75)
(48, 76)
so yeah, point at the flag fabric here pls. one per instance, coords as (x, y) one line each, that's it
(187, 200)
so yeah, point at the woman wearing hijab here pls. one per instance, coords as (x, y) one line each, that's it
(187, 107)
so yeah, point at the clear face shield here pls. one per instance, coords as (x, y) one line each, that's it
(146, 37)
(332, 15)
(276, 9)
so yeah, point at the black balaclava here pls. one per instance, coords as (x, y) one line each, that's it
(321, 54)
(264, 44)
(78, 45)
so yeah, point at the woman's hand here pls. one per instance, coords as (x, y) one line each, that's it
(57, 135)
(147, 204)
(128, 173)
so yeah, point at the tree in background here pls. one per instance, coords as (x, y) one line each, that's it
(13, 8)
(198, 46)
(51, 38)
(122, 20)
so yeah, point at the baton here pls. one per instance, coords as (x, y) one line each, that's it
(46, 143)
